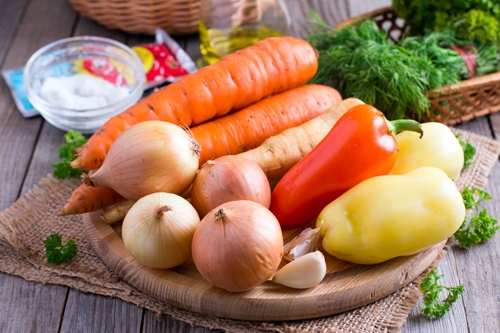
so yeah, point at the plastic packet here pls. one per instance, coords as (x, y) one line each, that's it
(164, 60)
(14, 79)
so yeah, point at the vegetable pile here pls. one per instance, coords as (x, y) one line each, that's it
(338, 165)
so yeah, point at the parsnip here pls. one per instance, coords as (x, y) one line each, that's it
(280, 153)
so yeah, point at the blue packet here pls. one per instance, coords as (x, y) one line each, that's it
(14, 79)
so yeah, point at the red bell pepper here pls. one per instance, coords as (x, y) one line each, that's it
(360, 145)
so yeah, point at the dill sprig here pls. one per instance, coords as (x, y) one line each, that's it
(361, 62)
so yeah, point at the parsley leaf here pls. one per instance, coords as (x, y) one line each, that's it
(480, 226)
(56, 252)
(431, 289)
(469, 152)
(63, 169)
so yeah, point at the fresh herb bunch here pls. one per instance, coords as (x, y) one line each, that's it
(448, 65)
(359, 61)
(431, 290)
(63, 169)
(473, 20)
(480, 226)
(56, 252)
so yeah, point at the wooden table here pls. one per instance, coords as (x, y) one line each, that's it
(29, 146)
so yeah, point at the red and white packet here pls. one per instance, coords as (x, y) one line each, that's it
(164, 60)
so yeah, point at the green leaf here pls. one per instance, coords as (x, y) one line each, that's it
(431, 290)
(479, 226)
(63, 169)
(469, 152)
(56, 252)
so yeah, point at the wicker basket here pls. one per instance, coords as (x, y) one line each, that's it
(177, 17)
(453, 104)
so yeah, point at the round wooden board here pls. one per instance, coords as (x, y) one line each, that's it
(345, 287)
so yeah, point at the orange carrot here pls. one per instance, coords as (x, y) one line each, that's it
(87, 198)
(248, 128)
(238, 80)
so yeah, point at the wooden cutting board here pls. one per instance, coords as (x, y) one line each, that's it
(346, 286)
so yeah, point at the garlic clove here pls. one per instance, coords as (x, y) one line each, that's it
(302, 273)
(306, 242)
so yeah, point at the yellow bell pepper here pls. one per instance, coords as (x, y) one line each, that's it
(392, 215)
(438, 147)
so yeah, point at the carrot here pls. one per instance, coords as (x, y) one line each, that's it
(238, 80)
(279, 153)
(87, 198)
(248, 128)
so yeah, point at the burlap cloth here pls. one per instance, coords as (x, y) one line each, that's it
(25, 225)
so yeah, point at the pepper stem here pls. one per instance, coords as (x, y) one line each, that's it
(400, 125)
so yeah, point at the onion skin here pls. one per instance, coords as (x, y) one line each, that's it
(149, 157)
(238, 245)
(229, 178)
(158, 230)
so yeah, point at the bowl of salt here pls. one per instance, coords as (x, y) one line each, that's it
(79, 83)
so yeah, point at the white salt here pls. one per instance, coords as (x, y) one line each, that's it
(81, 92)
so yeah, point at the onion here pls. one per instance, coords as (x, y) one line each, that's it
(158, 230)
(238, 245)
(229, 178)
(152, 156)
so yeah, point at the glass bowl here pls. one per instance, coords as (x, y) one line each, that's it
(79, 83)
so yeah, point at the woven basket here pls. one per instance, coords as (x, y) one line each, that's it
(453, 104)
(176, 17)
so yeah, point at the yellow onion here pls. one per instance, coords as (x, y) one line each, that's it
(152, 156)
(229, 178)
(238, 245)
(158, 230)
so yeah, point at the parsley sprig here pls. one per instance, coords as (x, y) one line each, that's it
(431, 290)
(479, 226)
(56, 252)
(63, 169)
(469, 152)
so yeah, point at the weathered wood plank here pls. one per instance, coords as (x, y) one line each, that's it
(10, 15)
(30, 306)
(86, 27)
(478, 267)
(27, 306)
(360, 7)
(168, 324)
(93, 313)
(331, 12)
(495, 124)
